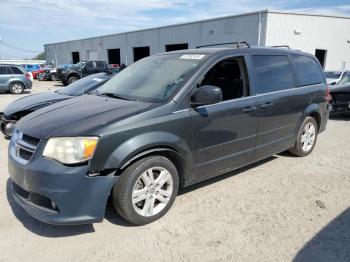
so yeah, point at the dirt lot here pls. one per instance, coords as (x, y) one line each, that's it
(281, 209)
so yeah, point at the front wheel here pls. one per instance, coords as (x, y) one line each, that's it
(53, 77)
(306, 139)
(146, 190)
(72, 79)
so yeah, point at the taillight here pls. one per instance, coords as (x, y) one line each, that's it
(328, 96)
(28, 76)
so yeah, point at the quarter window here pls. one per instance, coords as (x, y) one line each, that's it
(16, 70)
(308, 71)
(273, 73)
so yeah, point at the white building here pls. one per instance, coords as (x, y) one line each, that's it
(327, 37)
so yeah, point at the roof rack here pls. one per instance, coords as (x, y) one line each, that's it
(281, 46)
(237, 44)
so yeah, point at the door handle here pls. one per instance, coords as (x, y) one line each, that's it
(267, 105)
(249, 109)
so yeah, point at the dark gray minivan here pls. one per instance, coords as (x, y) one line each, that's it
(167, 121)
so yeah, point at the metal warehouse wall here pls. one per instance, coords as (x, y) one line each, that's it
(308, 32)
(249, 27)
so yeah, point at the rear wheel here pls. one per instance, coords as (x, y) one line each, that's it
(146, 190)
(72, 79)
(306, 139)
(16, 88)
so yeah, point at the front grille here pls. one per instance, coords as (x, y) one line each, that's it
(23, 146)
(341, 97)
(25, 154)
(30, 140)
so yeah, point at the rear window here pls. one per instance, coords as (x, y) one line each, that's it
(16, 70)
(273, 73)
(308, 71)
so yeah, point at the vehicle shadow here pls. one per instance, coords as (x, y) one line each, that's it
(40, 228)
(113, 217)
(332, 243)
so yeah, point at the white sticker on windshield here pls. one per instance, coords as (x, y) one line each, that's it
(97, 79)
(192, 57)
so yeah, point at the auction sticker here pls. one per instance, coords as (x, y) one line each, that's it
(192, 57)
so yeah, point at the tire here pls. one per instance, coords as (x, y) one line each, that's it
(134, 179)
(72, 79)
(304, 148)
(53, 77)
(16, 88)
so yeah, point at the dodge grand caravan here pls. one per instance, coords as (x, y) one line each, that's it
(167, 121)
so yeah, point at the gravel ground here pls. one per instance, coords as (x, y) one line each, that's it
(282, 209)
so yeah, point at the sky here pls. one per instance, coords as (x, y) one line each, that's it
(26, 25)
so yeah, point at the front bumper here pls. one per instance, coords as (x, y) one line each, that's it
(58, 194)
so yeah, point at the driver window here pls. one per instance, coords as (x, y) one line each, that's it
(229, 75)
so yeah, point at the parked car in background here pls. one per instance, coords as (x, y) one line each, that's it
(334, 77)
(345, 79)
(14, 79)
(48, 73)
(60, 68)
(26, 105)
(82, 69)
(166, 121)
(340, 98)
(31, 68)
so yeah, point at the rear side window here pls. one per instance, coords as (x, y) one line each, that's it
(273, 73)
(100, 64)
(90, 64)
(3, 70)
(308, 71)
(16, 70)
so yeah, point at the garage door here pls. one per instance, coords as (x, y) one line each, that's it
(92, 55)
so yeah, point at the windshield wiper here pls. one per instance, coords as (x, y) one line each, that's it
(113, 95)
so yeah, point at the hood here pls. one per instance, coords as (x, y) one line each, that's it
(340, 88)
(77, 116)
(32, 101)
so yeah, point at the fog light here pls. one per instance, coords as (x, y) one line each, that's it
(349, 105)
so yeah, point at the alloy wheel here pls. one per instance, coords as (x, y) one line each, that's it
(308, 137)
(152, 191)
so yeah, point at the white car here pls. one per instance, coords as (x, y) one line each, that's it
(334, 77)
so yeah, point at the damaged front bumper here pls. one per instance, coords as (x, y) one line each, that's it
(57, 194)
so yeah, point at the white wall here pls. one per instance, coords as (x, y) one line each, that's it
(316, 32)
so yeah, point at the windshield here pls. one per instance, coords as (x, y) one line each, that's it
(345, 80)
(153, 79)
(84, 85)
(332, 75)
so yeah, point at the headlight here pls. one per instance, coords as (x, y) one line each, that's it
(70, 150)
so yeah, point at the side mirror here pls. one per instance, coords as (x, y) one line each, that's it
(206, 95)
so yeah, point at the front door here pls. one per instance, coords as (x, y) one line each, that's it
(224, 134)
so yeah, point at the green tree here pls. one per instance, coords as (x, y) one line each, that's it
(40, 56)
